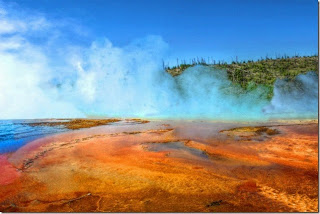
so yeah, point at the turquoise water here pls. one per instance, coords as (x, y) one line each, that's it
(16, 133)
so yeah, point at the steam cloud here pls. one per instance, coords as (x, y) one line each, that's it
(56, 78)
(295, 98)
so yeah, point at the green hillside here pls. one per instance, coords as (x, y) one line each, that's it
(249, 74)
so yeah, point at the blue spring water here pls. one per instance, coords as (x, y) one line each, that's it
(16, 133)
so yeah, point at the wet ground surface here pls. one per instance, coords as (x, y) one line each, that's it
(177, 150)
(166, 166)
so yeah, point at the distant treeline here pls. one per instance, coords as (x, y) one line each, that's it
(248, 74)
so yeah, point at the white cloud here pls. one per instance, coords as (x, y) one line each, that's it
(11, 26)
(25, 71)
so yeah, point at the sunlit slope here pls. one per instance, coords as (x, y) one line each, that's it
(249, 74)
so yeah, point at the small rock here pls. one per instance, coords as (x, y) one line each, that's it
(214, 203)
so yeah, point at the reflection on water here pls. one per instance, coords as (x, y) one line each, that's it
(177, 150)
(16, 133)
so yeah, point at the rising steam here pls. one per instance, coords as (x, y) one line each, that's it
(56, 78)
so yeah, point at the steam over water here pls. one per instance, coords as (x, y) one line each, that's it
(129, 82)
(56, 78)
(297, 98)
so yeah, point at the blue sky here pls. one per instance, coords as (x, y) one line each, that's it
(219, 28)
(206, 28)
